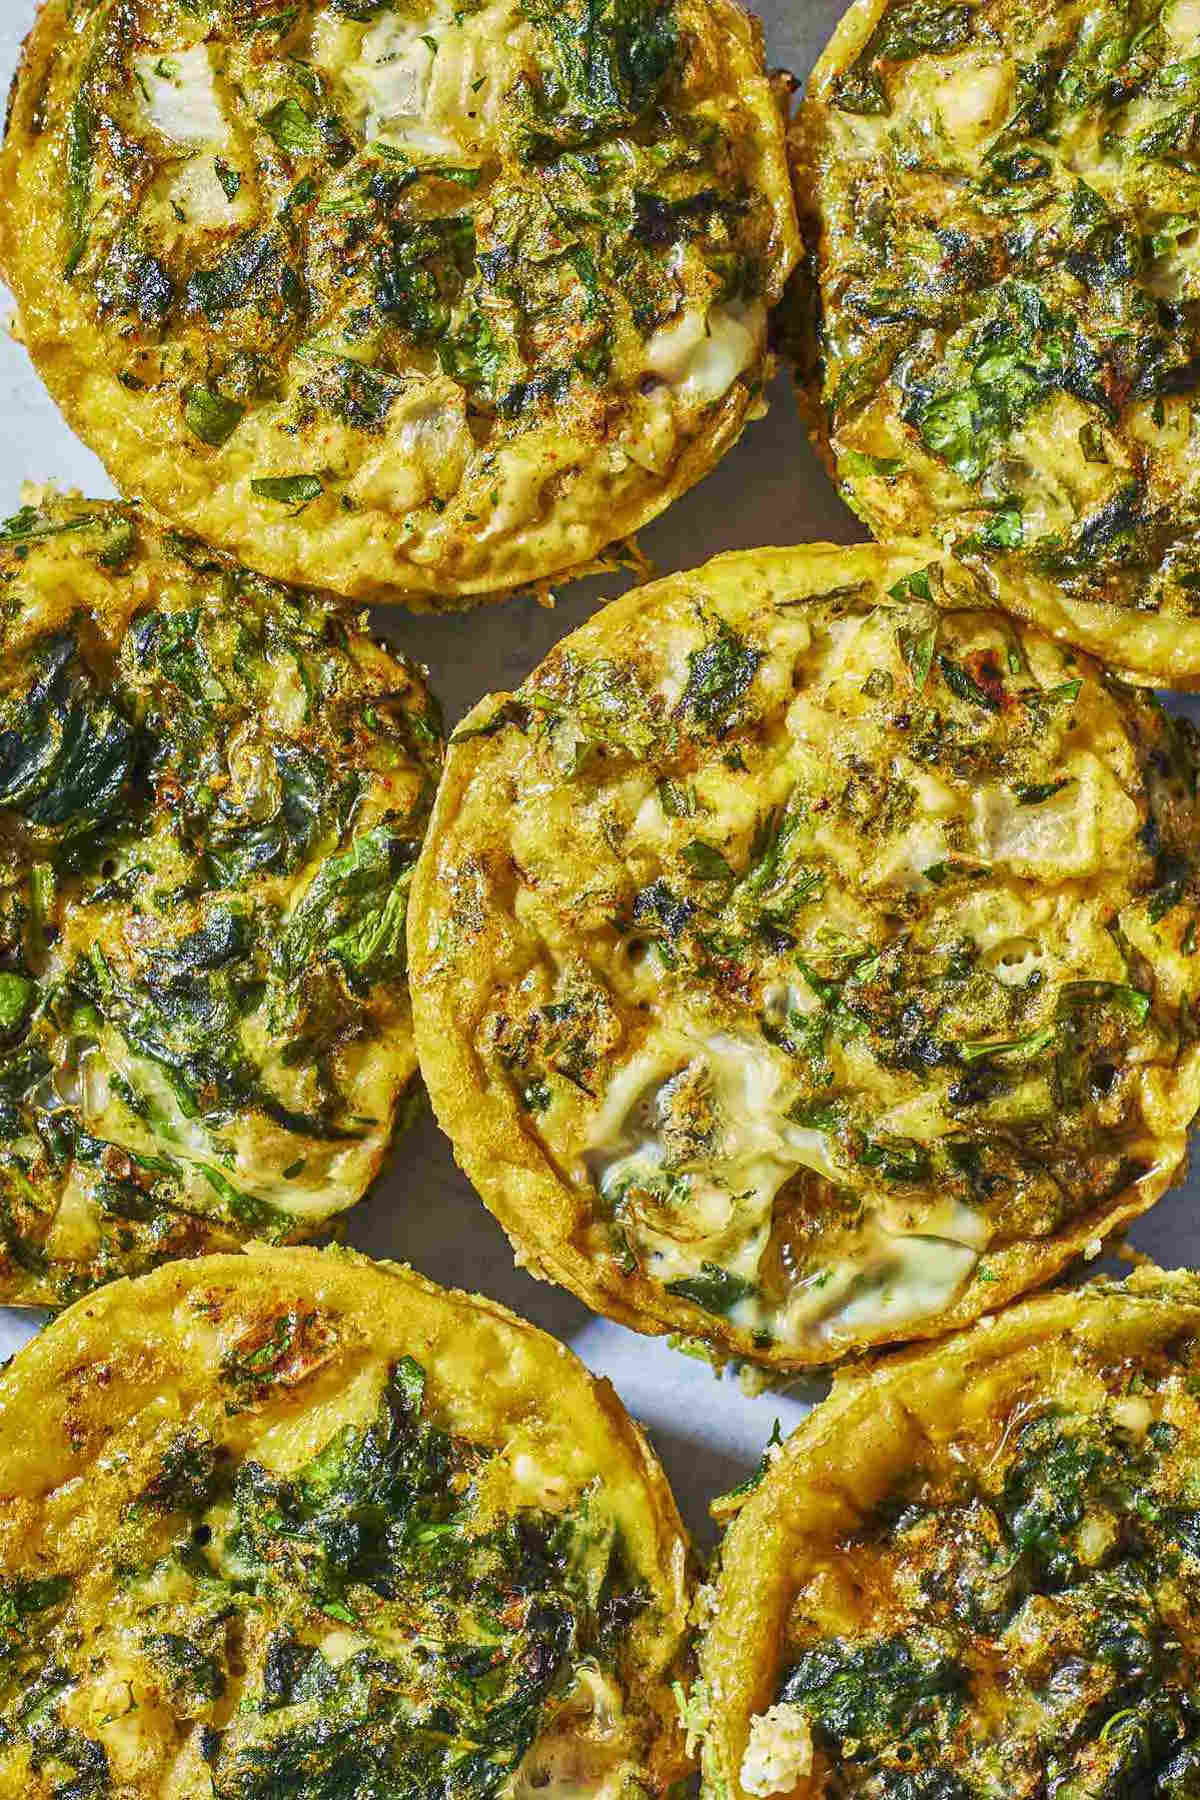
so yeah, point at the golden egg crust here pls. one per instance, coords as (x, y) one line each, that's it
(804, 957)
(412, 302)
(998, 328)
(213, 789)
(291, 1523)
(975, 1569)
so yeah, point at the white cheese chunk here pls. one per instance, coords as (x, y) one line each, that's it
(974, 100)
(903, 860)
(337, 1647)
(1134, 1414)
(179, 96)
(196, 193)
(779, 1753)
(1181, 23)
(390, 79)
(1051, 840)
(535, 1485)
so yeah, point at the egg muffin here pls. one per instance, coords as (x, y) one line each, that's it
(212, 793)
(975, 1570)
(293, 1524)
(804, 958)
(414, 302)
(998, 332)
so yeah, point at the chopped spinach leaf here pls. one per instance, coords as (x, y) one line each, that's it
(719, 675)
(717, 1290)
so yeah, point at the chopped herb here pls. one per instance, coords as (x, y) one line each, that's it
(292, 129)
(1174, 874)
(288, 490)
(1035, 793)
(1075, 994)
(677, 799)
(774, 1442)
(706, 862)
(940, 872)
(17, 997)
(917, 647)
(81, 150)
(1091, 442)
(964, 686)
(1022, 1049)
(1066, 693)
(210, 416)
(857, 462)
(1003, 529)
(715, 1289)
(913, 587)
(897, 1159)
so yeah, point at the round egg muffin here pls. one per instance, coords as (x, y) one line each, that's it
(294, 1525)
(212, 794)
(415, 302)
(999, 332)
(806, 956)
(975, 1570)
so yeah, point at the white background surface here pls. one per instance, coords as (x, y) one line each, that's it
(769, 490)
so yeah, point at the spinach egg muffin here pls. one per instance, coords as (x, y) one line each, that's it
(1000, 340)
(805, 957)
(212, 794)
(292, 1526)
(975, 1570)
(413, 301)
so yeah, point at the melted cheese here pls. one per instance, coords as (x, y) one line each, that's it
(75, 1234)
(1067, 836)
(584, 1755)
(755, 1143)
(897, 1282)
(701, 356)
(424, 451)
(568, 1769)
(895, 1275)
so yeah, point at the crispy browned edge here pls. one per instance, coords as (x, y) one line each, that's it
(850, 34)
(278, 548)
(843, 1458)
(518, 1181)
(390, 1304)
